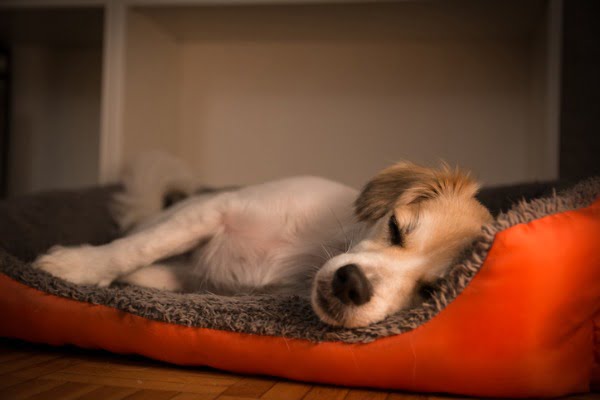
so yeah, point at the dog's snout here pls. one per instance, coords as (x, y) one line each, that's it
(351, 286)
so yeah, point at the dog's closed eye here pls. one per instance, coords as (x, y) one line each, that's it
(396, 234)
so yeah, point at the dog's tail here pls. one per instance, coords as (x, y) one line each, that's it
(152, 182)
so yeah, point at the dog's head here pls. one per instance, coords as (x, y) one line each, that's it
(418, 220)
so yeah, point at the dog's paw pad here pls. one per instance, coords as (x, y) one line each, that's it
(80, 265)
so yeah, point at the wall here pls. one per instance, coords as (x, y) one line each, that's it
(340, 91)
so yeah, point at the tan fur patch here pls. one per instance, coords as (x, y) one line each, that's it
(406, 183)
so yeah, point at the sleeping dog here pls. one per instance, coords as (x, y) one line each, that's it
(360, 256)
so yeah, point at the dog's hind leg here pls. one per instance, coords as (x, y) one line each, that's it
(184, 228)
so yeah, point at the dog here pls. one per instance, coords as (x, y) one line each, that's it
(358, 256)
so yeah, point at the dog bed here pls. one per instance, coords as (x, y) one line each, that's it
(516, 316)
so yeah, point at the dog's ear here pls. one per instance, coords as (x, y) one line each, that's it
(405, 183)
(381, 193)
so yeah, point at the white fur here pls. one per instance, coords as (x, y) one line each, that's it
(270, 237)
(146, 180)
(261, 236)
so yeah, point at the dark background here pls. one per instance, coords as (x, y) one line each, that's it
(580, 98)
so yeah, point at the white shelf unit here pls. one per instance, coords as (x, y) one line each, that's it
(246, 91)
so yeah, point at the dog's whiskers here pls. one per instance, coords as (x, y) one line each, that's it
(329, 255)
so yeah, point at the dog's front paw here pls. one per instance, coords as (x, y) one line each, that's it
(83, 265)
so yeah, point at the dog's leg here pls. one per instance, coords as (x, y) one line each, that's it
(162, 276)
(181, 231)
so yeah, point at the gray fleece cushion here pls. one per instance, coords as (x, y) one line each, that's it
(29, 225)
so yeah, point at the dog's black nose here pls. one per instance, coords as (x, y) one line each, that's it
(351, 286)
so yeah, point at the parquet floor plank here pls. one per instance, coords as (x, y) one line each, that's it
(44, 368)
(66, 391)
(9, 380)
(326, 393)
(25, 362)
(147, 394)
(108, 393)
(249, 387)
(286, 390)
(194, 396)
(27, 389)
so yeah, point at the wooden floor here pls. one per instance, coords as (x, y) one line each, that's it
(42, 372)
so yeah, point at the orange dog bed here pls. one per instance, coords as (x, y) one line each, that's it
(524, 323)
